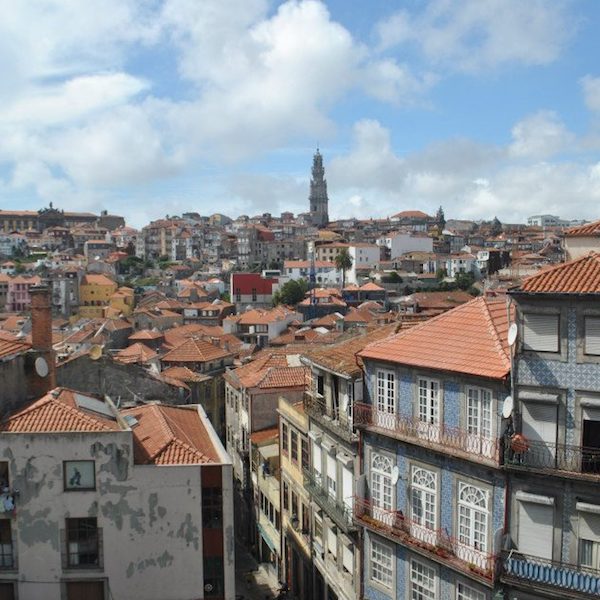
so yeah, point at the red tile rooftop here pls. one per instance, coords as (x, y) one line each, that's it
(589, 229)
(580, 276)
(469, 339)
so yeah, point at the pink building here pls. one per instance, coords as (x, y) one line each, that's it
(17, 297)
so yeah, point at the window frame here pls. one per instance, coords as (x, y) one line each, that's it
(384, 392)
(412, 580)
(75, 525)
(559, 331)
(72, 488)
(386, 578)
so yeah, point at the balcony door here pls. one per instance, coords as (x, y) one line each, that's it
(428, 410)
(590, 440)
(539, 427)
(385, 400)
(381, 488)
(479, 422)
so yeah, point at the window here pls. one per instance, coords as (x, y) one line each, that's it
(589, 554)
(295, 505)
(472, 520)
(423, 503)
(465, 592)
(294, 445)
(286, 496)
(320, 385)
(592, 335)
(82, 542)
(284, 438)
(305, 519)
(479, 412)
(85, 590)
(332, 476)
(6, 546)
(429, 401)
(381, 481)
(381, 565)
(305, 460)
(253, 294)
(212, 507)
(386, 391)
(540, 332)
(318, 533)
(422, 581)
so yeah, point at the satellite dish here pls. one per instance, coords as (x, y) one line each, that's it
(41, 366)
(395, 474)
(507, 407)
(95, 352)
(512, 334)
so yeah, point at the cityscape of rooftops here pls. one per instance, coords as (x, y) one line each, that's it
(300, 299)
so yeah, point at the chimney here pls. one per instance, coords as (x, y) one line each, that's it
(42, 375)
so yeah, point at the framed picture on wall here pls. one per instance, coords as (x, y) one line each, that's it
(79, 475)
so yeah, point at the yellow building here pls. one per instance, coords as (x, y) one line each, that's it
(95, 293)
(295, 501)
(121, 303)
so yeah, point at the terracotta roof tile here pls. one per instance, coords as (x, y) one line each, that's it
(59, 411)
(589, 229)
(167, 435)
(266, 435)
(195, 350)
(580, 276)
(11, 346)
(136, 353)
(469, 339)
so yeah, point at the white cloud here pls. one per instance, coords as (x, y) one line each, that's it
(473, 35)
(540, 135)
(591, 92)
(470, 180)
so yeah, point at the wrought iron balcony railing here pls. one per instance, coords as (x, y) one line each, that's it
(550, 573)
(541, 456)
(340, 512)
(333, 419)
(428, 434)
(442, 547)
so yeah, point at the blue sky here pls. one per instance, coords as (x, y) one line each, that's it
(151, 108)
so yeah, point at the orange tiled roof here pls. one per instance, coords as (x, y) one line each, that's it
(589, 229)
(285, 377)
(170, 435)
(195, 350)
(11, 346)
(580, 276)
(59, 411)
(266, 435)
(146, 334)
(469, 339)
(184, 374)
(371, 287)
(136, 353)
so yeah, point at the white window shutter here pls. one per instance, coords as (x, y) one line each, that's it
(589, 526)
(317, 464)
(540, 332)
(348, 559)
(592, 335)
(347, 492)
(331, 468)
(332, 541)
(536, 529)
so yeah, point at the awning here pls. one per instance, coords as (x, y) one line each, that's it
(267, 539)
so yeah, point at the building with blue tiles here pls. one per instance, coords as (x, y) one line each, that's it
(553, 456)
(431, 500)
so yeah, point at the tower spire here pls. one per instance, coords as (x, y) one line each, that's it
(318, 199)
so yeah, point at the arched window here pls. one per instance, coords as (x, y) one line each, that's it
(472, 517)
(381, 481)
(423, 497)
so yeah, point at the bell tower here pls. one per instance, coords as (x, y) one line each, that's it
(319, 202)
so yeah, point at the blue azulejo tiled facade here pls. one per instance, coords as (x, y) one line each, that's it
(553, 456)
(432, 499)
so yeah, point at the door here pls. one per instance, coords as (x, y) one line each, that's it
(536, 529)
(7, 591)
(85, 590)
(429, 410)
(386, 401)
(590, 441)
(539, 428)
(479, 422)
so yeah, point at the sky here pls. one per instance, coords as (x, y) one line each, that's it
(156, 107)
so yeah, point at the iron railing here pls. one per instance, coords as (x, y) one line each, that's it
(450, 550)
(340, 512)
(333, 419)
(552, 457)
(408, 427)
(551, 573)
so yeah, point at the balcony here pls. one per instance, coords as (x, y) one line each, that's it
(316, 407)
(552, 459)
(570, 581)
(448, 440)
(435, 544)
(340, 513)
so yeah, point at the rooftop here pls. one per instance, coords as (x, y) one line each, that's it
(469, 339)
(580, 276)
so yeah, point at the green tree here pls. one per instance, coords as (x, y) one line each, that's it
(496, 228)
(291, 292)
(464, 280)
(343, 262)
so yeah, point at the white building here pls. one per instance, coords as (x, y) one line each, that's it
(399, 243)
(325, 271)
(461, 263)
(364, 258)
(114, 504)
(546, 221)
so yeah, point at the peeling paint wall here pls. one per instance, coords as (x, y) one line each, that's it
(150, 516)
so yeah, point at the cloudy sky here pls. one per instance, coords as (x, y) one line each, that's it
(155, 107)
